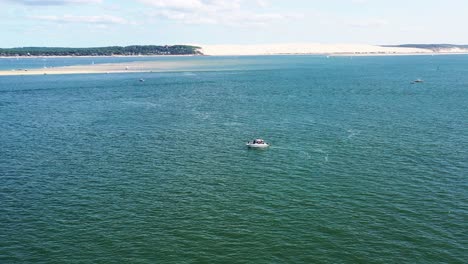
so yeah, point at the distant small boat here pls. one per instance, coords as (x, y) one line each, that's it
(142, 80)
(418, 81)
(257, 143)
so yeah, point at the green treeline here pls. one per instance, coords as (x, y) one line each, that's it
(103, 51)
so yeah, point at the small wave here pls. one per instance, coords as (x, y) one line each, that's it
(230, 124)
(189, 74)
(145, 104)
(306, 154)
(202, 115)
(352, 133)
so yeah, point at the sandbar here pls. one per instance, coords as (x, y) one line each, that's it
(137, 66)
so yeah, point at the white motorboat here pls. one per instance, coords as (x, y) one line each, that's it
(257, 143)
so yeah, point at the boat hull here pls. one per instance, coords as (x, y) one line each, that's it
(251, 145)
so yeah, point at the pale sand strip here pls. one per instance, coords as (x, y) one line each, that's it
(141, 66)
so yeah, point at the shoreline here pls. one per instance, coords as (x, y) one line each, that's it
(335, 54)
(236, 55)
(398, 54)
(227, 54)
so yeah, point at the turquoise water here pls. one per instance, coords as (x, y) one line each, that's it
(364, 166)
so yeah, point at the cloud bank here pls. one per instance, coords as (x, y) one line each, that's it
(233, 13)
(52, 2)
(103, 19)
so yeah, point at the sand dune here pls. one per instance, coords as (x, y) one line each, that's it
(298, 48)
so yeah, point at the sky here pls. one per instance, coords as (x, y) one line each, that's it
(91, 23)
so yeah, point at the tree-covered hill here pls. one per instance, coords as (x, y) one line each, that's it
(433, 47)
(103, 51)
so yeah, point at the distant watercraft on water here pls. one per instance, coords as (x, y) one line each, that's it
(418, 81)
(257, 143)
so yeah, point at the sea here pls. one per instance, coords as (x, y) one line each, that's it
(364, 165)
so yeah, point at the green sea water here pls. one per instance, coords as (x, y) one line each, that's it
(364, 166)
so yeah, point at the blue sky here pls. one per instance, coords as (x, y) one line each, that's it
(87, 23)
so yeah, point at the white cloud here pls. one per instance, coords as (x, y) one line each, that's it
(175, 4)
(262, 3)
(360, 1)
(224, 12)
(104, 19)
(188, 18)
(371, 23)
(52, 2)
